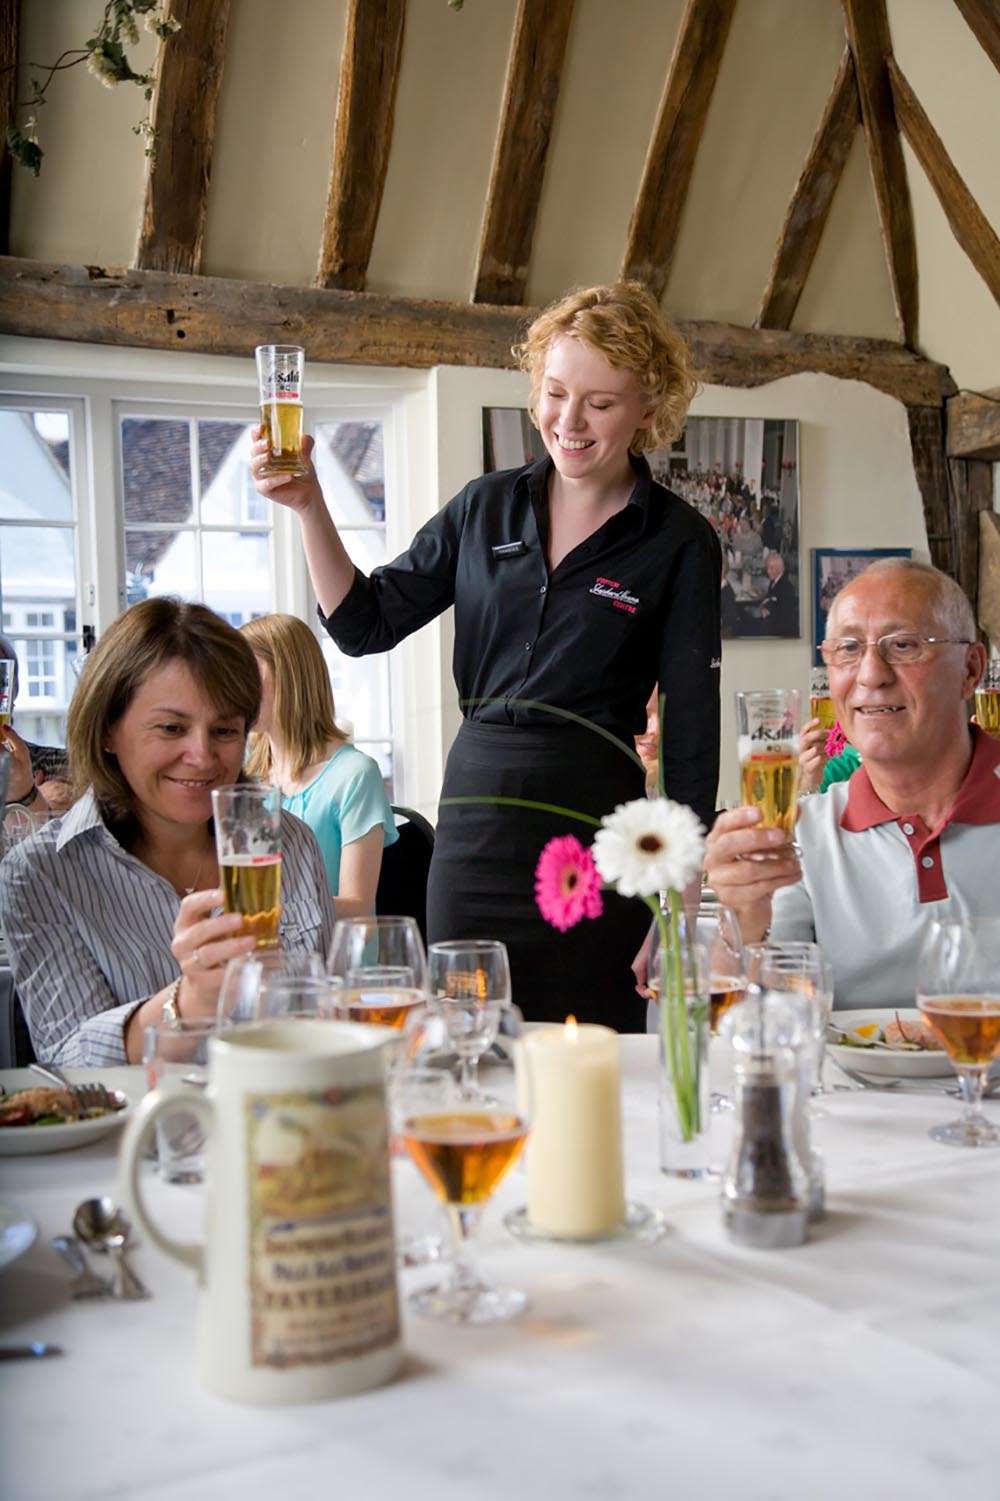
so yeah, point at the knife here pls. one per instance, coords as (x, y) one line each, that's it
(23, 1352)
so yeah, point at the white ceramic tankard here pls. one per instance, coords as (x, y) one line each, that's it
(297, 1271)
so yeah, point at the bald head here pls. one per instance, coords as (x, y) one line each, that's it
(932, 591)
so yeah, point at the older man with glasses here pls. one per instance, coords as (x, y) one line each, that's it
(915, 832)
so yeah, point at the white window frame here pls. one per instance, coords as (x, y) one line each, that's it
(98, 385)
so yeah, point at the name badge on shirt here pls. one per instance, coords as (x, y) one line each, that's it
(509, 550)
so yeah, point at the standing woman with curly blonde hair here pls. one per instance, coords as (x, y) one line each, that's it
(578, 583)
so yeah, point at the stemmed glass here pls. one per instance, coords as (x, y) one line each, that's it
(383, 967)
(271, 982)
(958, 992)
(464, 1148)
(467, 977)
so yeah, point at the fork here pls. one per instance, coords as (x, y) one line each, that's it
(85, 1096)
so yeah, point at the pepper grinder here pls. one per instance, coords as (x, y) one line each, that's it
(765, 1190)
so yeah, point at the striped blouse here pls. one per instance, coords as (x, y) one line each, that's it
(89, 927)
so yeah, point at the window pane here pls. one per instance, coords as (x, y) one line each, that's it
(34, 485)
(360, 693)
(237, 574)
(38, 571)
(350, 463)
(367, 549)
(46, 679)
(159, 563)
(156, 470)
(224, 452)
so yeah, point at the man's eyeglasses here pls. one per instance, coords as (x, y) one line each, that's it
(898, 648)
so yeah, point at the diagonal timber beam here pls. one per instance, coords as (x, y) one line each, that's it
(538, 49)
(366, 104)
(680, 122)
(969, 224)
(983, 18)
(868, 36)
(177, 175)
(811, 200)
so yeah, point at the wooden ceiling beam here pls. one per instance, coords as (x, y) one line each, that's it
(8, 102)
(974, 426)
(680, 122)
(184, 110)
(534, 70)
(366, 104)
(811, 200)
(989, 575)
(969, 224)
(870, 43)
(214, 315)
(983, 17)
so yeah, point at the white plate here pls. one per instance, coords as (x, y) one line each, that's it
(17, 1233)
(23, 1141)
(900, 1064)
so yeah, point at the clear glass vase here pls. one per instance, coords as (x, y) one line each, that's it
(677, 976)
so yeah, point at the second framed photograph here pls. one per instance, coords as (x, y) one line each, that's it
(833, 567)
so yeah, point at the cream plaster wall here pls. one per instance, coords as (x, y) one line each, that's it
(447, 111)
(274, 130)
(85, 205)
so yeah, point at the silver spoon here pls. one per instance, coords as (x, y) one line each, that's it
(102, 1226)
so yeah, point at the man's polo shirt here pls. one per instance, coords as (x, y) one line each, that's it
(873, 880)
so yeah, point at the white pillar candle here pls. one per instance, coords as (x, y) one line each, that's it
(574, 1154)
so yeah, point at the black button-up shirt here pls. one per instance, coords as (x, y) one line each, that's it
(635, 604)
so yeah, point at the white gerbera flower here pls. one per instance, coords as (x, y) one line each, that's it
(649, 845)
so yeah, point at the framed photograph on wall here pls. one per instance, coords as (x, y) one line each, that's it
(742, 474)
(510, 439)
(833, 567)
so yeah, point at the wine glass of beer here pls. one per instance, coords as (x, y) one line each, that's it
(279, 375)
(769, 721)
(248, 844)
(382, 966)
(958, 992)
(988, 699)
(464, 1149)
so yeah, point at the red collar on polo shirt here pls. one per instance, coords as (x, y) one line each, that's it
(978, 802)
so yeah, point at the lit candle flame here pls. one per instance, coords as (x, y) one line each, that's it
(571, 1029)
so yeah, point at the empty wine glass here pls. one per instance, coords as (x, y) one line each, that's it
(248, 974)
(464, 1149)
(383, 967)
(468, 976)
(958, 992)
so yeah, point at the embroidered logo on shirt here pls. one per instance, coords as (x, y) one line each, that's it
(616, 594)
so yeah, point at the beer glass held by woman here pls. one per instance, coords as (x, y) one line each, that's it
(111, 913)
(578, 583)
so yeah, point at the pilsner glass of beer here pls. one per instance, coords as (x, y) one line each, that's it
(988, 699)
(820, 702)
(279, 373)
(248, 844)
(8, 671)
(769, 721)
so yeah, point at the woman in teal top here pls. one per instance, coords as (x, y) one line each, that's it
(332, 786)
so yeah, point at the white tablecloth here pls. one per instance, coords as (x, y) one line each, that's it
(865, 1363)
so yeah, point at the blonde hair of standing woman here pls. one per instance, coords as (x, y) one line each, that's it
(623, 323)
(303, 715)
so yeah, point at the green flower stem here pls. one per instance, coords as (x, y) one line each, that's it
(525, 802)
(683, 1066)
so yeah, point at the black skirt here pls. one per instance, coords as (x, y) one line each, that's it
(482, 878)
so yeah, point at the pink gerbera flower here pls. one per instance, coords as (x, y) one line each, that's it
(836, 740)
(567, 885)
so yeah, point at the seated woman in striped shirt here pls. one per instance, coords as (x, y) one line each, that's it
(111, 913)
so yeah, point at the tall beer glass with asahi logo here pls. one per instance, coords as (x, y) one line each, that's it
(248, 844)
(769, 721)
(279, 372)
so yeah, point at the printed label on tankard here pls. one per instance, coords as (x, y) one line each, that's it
(322, 1253)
